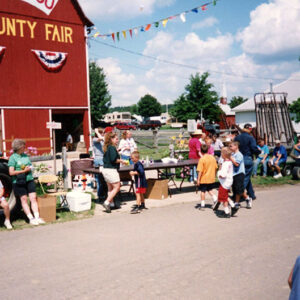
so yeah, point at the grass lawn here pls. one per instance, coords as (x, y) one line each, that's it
(159, 153)
(260, 181)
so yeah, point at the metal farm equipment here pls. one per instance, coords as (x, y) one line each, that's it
(273, 120)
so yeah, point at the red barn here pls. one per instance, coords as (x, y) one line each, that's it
(43, 71)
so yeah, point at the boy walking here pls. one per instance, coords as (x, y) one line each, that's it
(225, 176)
(238, 189)
(140, 183)
(207, 167)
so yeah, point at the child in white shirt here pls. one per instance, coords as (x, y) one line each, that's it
(225, 176)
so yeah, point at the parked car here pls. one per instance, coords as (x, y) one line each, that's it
(124, 126)
(150, 124)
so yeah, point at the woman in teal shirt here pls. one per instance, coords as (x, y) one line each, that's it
(23, 184)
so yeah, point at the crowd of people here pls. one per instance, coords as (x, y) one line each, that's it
(239, 160)
(232, 162)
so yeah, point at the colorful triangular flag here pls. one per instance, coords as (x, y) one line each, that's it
(203, 7)
(118, 36)
(124, 33)
(182, 17)
(136, 31)
(130, 31)
(164, 22)
(113, 36)
(195, 10)
(148, 27)
(156, 24)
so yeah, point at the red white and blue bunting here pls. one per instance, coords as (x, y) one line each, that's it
(2, 50)
(51, 61)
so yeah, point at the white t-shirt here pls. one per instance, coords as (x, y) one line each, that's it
(225, 174)
(128, 143)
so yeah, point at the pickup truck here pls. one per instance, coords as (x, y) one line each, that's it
(147, 125)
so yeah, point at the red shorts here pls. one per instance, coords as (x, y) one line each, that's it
(223, 194)
(141, 190)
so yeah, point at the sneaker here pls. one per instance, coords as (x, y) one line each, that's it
(279, 175)
(202, 208)
(107, 208)
(7, 224)
(249, 203)
(143, 206)
(216, 206)
(136, 210)
(33, 222)
(235, 209)
(40, 221)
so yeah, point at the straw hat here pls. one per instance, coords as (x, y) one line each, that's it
(197, 132)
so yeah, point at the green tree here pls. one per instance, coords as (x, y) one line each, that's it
(99, 94)
(198, 96)
(295, 108)
(148, 106)
(237, 100)
(134, 109)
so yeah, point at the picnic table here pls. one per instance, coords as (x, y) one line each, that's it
(155, 166)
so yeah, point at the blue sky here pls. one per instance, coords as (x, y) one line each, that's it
(254, 41)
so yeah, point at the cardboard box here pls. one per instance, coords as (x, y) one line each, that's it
(47, 207)
(157, 189)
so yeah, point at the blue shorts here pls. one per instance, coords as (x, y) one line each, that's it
(281, 161)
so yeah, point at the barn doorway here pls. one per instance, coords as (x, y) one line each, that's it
(72, 123)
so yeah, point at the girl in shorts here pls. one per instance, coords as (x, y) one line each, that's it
(111, 160)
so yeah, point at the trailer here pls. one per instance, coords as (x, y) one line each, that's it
(273, 122)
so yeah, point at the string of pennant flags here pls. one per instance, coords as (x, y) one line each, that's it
(144, 28)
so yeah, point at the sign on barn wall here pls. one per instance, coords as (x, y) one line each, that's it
(44, 5)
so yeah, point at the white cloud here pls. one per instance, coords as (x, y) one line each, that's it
(120, 8)
(207, 22)
(274, 29)
(191, 48)
(125, 88)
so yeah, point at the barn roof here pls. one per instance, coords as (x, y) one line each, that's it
(83, 17)
(290, 86)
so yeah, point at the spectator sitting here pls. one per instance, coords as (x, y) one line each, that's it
(279, 157)
(261, 158)
(296, 148)
(5, 206)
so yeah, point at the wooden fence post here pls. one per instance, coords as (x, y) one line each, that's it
(155, 139)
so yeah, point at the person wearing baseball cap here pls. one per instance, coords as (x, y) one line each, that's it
(279, 158)
(248, 148)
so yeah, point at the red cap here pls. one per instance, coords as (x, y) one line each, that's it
(108, 129)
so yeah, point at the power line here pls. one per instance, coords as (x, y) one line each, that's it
(188, 66)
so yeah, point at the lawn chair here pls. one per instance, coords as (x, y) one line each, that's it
(52, 179)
